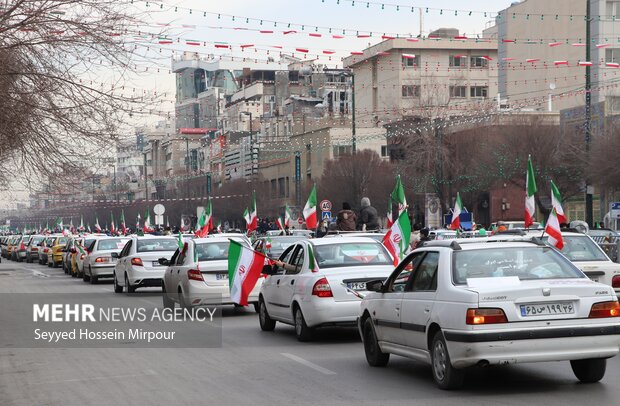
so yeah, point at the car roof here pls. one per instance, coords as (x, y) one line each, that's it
(151, 237)
(343, 239)
(508, 241)
(218, 239)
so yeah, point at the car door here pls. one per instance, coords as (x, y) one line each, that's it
(387, 309)
(121, 263)
(286, 288)
(171, 276)
(271, 288)
(418, 301)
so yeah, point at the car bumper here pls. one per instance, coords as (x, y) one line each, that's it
(146, 277)
(542, 345)
(102, 271)
(202, 294)
(327, 312)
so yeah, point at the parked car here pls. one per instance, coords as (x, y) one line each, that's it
(83, 252)
(32, 249)
(68, 252)
(377, 236)
(99, 263)
(274, 246)
(476, 302)
(205, 281)
(19, 251)
(138, 264)
(54, 254)
(307, 296)
(12, 242)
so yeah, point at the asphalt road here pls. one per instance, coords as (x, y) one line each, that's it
(257, 368)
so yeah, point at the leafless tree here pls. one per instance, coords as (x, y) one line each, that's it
(63, 71)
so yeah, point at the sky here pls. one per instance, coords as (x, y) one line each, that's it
(317, 17)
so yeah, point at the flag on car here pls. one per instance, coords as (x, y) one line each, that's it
(390, 219)
(556, 203)
(396, 240)
(398, 195)
(112, 224)
(147, 222)
(219, 227)
(310, 210)
(180, 241)
(280, 223)
(287, 216)
(97, 226)
(253, 224)
(122, 225)
(553, 230)
(455, 224)
(244, 268)
(314, 266)
(246, 217)
(138, 222)
(530, 190)
(81, 223)
(205, 223)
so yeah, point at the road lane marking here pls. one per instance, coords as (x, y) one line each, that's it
(148, 372)
(308, 364)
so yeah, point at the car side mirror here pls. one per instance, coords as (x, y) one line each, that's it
(374, 286)
(163, 261)
(270, 269)
(115, 255)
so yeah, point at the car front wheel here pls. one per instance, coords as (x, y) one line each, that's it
(589, 370)
(446, 376)
(302, 331)
(374, 355)
(266, 322)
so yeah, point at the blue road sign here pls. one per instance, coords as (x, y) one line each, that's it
(326, 215)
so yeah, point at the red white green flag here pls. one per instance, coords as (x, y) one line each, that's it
(244, 268)
(246, 217)
(398, 195)
(530, 190)
(122, 225)
(97, 226)
(280, 223)
(287, 216)
(147, 222)
(314, 266)
(553, 231)
(397, 238)
(556, 202)
(310, 210)
(205, 224)
(456, 213)
(253, 223)
(390, 219)
(112, 224)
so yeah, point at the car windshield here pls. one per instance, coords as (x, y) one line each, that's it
(157, 244)
(112, 244)
(36, 240)
(526, 263)
(87, 242)
(50, 241)
(281, 243)
(351, 254)
(212, 251)
(582, 248)
(62, 240)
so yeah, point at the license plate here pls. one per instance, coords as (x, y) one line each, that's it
(156, 263)
(547, 309)
(356, 285)
(221, 276)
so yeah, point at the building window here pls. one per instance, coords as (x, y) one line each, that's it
(478, 92)
(281, 187)
(612, 54)
(458, 92)
(613, 9)
(274, 188)
(411, 91)
(341, 150)
(458, 61)
(384, 151)
(411, 62)
(478, 61)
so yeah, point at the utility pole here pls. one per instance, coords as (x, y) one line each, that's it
(187, 169)
(353, 112)
(588, 118)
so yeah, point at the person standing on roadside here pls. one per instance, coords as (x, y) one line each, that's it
(346, 218)
(368, 219)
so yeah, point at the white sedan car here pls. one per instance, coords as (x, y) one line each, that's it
(328, 295)
(138, 264)
(101, 258)
(475, 302)
(197, 275)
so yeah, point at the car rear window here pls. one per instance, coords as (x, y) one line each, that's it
(212, 251)
(526, 263)
(112, 244)
(582, 248)
(351, 254)
(159, 244)
(62, 240)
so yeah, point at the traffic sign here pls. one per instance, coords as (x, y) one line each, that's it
(159, 209)
(300, 220)
(326, 205)
(326, 215)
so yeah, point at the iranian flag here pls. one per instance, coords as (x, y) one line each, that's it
(287, 216)
(180, 241)
(244, 268)
(310, 210)
(280, 223)
(314, 266)
(81, 223)
(112, 225)
(390, 218)
(122, 224)
(530, 202)
(205, 224)
(398, 195)
(553, 230)
(397, 238)
(147, 222)
(253, 216)
(456, 213)
(219, 227)
(97, 226)
(246, 217)
(556, 202)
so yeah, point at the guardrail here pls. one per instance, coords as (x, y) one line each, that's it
(611, 246)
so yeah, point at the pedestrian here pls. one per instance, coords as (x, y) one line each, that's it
(424, 236)
(415, 236)
(368, 219)
(346, 218)
(322, 229)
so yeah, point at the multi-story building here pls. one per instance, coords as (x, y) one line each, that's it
(442, 75)
(540, 50)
